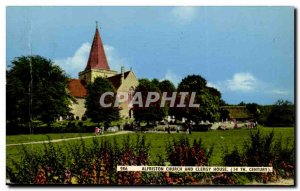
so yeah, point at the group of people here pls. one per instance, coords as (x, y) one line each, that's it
(252, 125)
(188, 127)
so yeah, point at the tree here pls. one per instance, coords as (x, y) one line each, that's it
(223, 103)
(45, 99)
(168, 87)
(155, 81)
(224, 114)
(254, 109)
(282, 113)
(94, 110)
(209, 99)
(152, 113)
(242, 104)
(214, 104)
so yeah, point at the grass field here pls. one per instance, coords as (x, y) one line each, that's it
(158, 141)
(14, 139)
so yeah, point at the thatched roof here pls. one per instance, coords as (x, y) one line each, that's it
(238, 112)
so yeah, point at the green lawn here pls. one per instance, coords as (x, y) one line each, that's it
(158, 141)
(14, 139)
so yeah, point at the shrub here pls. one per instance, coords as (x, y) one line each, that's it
(202, 127)
(96, 163)
(71, 125)
(80, 123)
(165, 128)
(223, 178)
(233, 158)
(128, 127)
(262, 150)
(79, 164)
(285, 158)
(83, 118)
(180, 153)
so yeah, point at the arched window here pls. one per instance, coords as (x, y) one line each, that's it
(130, 95)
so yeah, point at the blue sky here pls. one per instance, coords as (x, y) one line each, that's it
(245, 52)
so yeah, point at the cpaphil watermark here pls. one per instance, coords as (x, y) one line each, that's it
(147, 99)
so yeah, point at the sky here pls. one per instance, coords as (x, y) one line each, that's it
(247, 53)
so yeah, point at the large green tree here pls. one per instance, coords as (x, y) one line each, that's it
(152, 113)
(168, 87)
(94, 110)
(36, 89)
(209, 99)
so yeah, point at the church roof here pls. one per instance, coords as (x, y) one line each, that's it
(76, 88)
(97, 57)
(116, 79)
(238, 112)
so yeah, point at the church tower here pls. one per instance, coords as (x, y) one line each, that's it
(97, 65)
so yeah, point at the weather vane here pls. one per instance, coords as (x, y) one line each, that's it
(97, 25)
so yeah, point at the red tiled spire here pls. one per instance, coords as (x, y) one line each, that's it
(97, 58)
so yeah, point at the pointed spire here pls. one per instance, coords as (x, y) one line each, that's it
(97, 58)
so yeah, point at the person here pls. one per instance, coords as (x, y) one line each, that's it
(102, 130)
(190, 128)
(97, 130)
(169, 129)
(177, 129)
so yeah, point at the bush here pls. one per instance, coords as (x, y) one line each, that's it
(285, 158)
(165, 128)
(233, 158)
(80, 124)
(96, 163)
(79, 164)
(180, 153)
(201, 127)
(262, 150)
(128, 127)
(83, 118)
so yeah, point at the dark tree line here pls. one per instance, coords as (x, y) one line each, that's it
(281, 113)
(209, 99)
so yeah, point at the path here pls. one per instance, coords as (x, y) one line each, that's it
(69, 139)
(280, 182)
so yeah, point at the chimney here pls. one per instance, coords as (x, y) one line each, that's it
(122, 74)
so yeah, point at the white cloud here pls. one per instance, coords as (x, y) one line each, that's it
(242, 82)
(174, 78)
(114, 60)
(184, 14)
(76, 63)
(212, 85)
(280, 92)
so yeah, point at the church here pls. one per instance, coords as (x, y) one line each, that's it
(98, 66)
